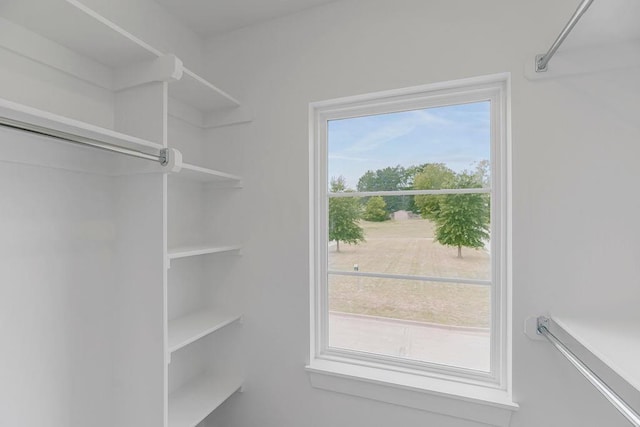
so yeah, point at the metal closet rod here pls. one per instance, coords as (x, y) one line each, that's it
(161, 157)
(596, 381)
(543, 60)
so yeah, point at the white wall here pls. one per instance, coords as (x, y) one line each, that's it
(57, 270)
(81, 265)
(575, 204)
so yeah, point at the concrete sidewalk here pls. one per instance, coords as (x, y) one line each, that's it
(461, 347)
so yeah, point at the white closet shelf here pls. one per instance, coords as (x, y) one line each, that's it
(200, 250)
(198, 173)
(615, 341)
(94, 36)
(44, 119)
(190, 328)
(43, 151)
(199, 93)
(191, 404)
(89, 34)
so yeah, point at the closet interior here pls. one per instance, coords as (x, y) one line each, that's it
(132, 257)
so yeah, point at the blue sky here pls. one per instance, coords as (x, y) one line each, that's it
(457, 135)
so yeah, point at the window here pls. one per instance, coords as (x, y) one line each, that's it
(410, 245)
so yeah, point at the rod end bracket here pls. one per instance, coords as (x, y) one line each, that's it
(539, 68)
(171, 159)
(531, 325)
(542, 322)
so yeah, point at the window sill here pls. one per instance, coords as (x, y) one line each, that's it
(466, 401)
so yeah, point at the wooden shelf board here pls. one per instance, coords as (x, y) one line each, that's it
(79, 28)
(200, 250)
(190, 328)
(198, 173)
(201, 94)
(193, 402)
(615, 342)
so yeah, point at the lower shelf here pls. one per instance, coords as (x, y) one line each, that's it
(193, 402)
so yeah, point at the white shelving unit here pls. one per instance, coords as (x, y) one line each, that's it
(194, 197)
(192, 403)
(190, 328)
(96, 50)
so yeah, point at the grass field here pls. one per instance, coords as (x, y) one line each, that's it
(407, 247)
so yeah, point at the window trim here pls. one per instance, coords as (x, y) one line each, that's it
(494, 88)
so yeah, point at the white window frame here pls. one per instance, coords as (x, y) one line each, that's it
(493, 387)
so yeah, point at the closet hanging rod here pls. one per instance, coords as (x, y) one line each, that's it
(161, 157)
(543, 60)
(597, 382)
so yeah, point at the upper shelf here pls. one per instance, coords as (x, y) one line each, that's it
(77, 27)
(615, 342)
(35, 146)
(199, 93)
(33, 116)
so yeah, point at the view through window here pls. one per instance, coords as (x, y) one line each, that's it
(409, 265)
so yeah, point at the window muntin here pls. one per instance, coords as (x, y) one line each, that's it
(333, 275)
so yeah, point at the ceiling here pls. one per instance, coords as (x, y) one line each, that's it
(213, 17)
(606, 21)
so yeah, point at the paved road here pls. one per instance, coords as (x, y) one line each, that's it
(414, 340)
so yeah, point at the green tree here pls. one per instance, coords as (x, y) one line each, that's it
(387, 179)
(375, 210)
(463, 219)
(344, 213)
(483, 172)
(434, 176)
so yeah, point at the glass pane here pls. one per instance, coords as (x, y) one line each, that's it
(453, 242)
(387, 151)
(440, 323)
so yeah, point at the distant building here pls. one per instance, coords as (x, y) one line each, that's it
(401, 215)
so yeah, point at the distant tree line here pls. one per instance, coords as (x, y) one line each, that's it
(461, 220)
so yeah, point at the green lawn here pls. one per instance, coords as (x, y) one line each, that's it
(407, 247)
